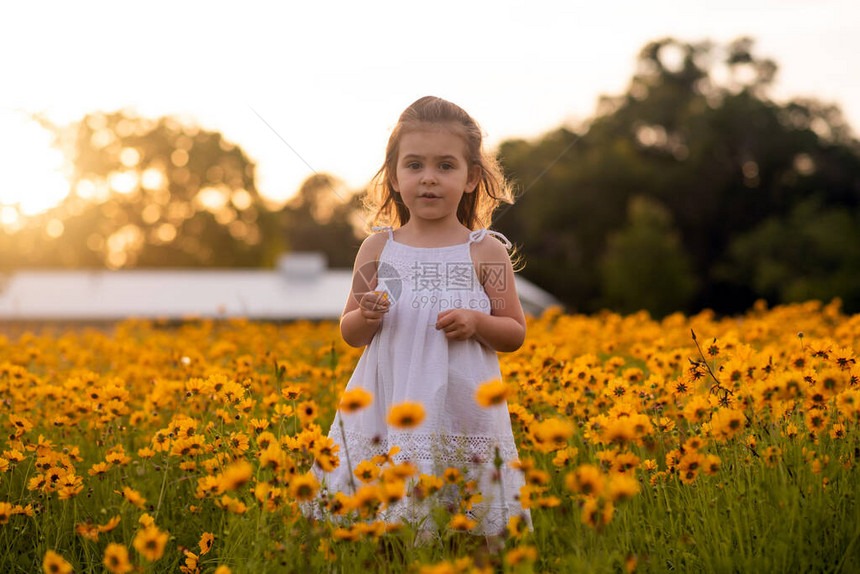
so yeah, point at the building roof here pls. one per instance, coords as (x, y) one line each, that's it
(300, 288)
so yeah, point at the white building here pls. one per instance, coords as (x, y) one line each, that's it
(300, 288)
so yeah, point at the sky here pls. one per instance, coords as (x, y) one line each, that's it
(317, 86)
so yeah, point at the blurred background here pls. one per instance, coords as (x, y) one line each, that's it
(667, 156)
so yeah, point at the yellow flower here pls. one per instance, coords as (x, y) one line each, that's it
(133, 497)
(392, 491)
(231, 504)
(521, 554)
(304, 487)
(53, 563)
(235, 476)
(492, 393)
(711, 465)
(622, 487)
(6, 512)
(406, 415)
(99, 469)
(461, 522)
(551, 434)
(517, 526)
(116, 559)
(597, 512)
(355, 400)
(452, 475)
(307, 411)
(223, 570)
(586, 479)
(367, 500)
(366, 471)
(726, 423)
(150, 542)
(206, 542)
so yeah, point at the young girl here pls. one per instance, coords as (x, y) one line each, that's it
(433, 299)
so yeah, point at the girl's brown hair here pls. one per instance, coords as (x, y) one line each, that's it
(475, 211)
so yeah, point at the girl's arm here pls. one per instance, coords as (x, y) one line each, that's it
(505, 329)
(363, 312)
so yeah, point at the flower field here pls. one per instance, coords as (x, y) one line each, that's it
(692, 444)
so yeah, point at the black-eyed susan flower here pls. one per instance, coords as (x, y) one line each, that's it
(452, 475)
(304, 487)
(116, 559)
(517, 527)
(406, 415)
(726, 423)
(428, 485)
(492, 393)
(53, 563)
(391, 491)
(461, 522)
(551, 434)
(711, 465)
(387, 458)
(399, 471)
(232, 505)
(110, 525)
(99, 469)
(354, 400)
(150, 542)
(366, 471)
(291, 392)
(307, 411)
(190, 566)
(520, 555)
(367, 500)
(235, 476)
(6, 512)
(624, 462)
(597, 512)
(621, 487)
(587, 479)
(132, 496)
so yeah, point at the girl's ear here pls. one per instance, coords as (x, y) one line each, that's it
(474, 178)
(394, 185)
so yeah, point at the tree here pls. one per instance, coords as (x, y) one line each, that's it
(644, 265)
(151, 193)
(720, 157)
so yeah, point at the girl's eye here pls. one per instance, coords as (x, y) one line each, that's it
(413, 165)
(447, 166)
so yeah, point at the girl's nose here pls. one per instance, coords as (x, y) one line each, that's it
(428, 178)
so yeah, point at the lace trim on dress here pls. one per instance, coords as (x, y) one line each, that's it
(443, 448)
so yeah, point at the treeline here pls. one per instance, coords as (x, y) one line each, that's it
(685, 192)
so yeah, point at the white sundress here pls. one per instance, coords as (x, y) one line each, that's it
(410, 360)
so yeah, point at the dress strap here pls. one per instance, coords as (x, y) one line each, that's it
(479, 234)
(387, 228)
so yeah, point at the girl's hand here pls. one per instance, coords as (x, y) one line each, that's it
(373, 305)
(458, 324)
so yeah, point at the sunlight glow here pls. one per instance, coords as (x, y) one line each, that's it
(32, 170)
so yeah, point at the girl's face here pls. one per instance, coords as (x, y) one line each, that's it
(433, 172)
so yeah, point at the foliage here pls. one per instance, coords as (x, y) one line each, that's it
(645, 265)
